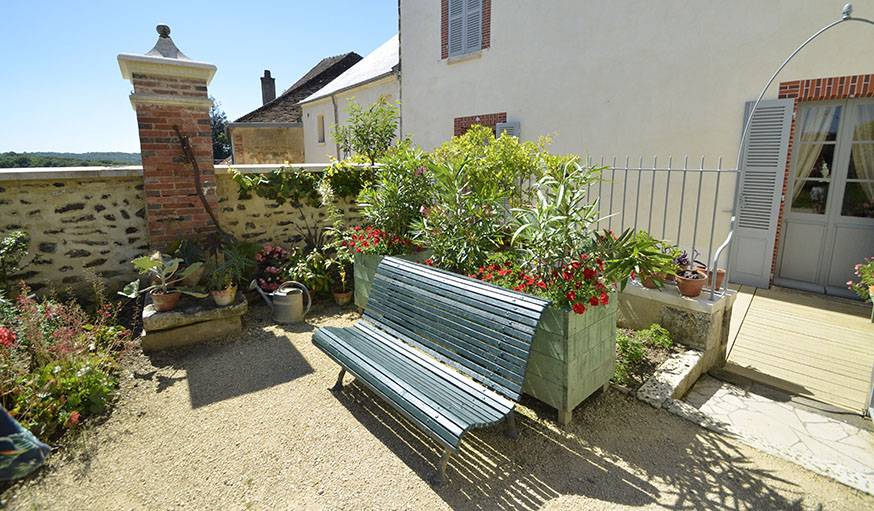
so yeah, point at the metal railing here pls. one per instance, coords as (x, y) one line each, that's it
(686, 203)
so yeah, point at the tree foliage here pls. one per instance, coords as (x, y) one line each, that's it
(369, 131)
(218, 123)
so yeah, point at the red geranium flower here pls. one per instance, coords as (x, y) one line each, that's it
(579, 308)
(593, 301)
(7, 337)
(571, 296)
(605, 298)
(589, 273)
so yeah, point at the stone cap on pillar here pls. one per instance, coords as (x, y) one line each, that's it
(164, 59)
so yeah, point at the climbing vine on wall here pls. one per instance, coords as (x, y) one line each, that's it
(300, 187)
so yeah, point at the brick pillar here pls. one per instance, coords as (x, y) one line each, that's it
(170, 91)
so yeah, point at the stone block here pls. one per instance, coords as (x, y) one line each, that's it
(190, 334)
(191, 311)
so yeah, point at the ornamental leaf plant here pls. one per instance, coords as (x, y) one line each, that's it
(864, 271)
(369, 131)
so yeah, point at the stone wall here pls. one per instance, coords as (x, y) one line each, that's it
(95, 221)
(260, 220)
(77, 225)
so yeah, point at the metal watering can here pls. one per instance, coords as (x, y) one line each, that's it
(287, 301)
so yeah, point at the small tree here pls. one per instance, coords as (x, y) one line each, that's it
(218, 123)
(369, 131)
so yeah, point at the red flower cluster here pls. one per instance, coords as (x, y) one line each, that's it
(7, 337)
(577, 285)
(370, 240)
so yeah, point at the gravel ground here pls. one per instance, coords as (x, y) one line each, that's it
(249, 424)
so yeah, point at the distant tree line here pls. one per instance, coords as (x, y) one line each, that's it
(12, 159)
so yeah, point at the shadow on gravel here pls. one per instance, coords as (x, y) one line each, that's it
(701, 469)
(216, 372)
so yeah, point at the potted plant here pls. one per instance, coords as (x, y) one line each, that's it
(651, 260)
(190, 253)
(166, 279)
(691, 282)
(342, 292)
(226, 273)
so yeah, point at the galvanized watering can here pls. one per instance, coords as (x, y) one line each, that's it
(287, 301)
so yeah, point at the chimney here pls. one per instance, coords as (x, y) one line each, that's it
(268, 88)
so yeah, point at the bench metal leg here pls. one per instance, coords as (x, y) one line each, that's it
(440, 476)
(339, 385)
(510, 426)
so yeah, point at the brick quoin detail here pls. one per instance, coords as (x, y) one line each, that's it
(818, 89)
(444, 27)
(173, 209)
(462, 124)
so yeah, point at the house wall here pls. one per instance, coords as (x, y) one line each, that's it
(364, 95)
(633, 77)
(267, 144)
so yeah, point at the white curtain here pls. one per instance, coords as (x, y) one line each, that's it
(863, 156)
(815, 126)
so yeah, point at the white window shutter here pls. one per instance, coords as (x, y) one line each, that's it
(473, 26)
(763, 164)
(456, 27)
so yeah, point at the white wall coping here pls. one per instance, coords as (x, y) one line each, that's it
(47, 173)
(669, 295)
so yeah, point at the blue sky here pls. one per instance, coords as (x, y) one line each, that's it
(61, 89)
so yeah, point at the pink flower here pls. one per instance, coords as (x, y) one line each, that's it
(272, 269)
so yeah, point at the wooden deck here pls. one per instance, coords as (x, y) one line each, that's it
(803, 343)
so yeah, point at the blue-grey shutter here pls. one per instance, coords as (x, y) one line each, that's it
(473, 26)
(456, 27)
(762, 166)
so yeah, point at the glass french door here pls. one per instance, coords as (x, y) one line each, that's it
(829, 218)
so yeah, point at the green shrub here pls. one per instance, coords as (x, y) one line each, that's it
(656, 336)
(400, 189)
(629, 352)
(368, 132)
(13, 248)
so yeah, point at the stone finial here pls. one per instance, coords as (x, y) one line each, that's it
(165, 46)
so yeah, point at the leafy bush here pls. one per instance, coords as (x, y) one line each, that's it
(505, 162)
(270, 262)
(656, 336)
(58, 363)
(401, 188)
(464, 221)
(637, 253)
(13, 248)
(369, 131)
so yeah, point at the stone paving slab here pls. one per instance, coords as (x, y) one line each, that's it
(822, 444)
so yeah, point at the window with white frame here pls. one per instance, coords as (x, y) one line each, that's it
(320, 129)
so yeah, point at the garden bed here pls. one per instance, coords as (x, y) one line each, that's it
(639, 353)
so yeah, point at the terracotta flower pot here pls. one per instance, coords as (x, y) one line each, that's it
(165, 301)
(342, 297)
(720, 277)
(225, 296)
(691, 287)
(648, 283)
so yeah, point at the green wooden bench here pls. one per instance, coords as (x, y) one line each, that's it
(446, 351)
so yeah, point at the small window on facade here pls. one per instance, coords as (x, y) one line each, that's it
(465, 26)
(320, 128)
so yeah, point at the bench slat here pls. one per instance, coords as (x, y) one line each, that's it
(462, 323)
(463, 403)
(510, 311)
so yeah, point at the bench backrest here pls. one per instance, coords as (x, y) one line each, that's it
(482, 330)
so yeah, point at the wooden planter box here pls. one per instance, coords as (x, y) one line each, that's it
(365, 268)
(573, 355)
